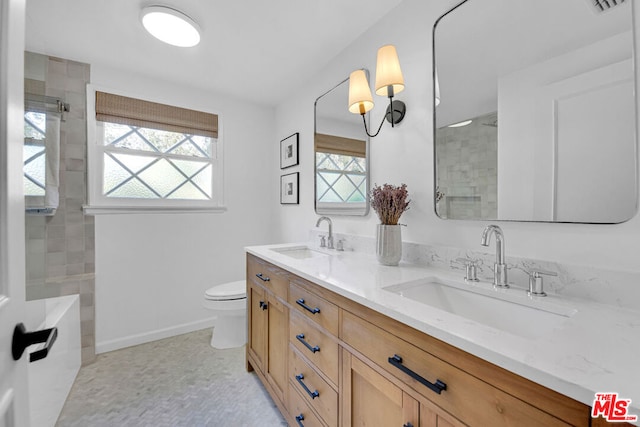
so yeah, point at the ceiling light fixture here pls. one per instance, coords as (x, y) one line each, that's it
(170, 26)
(460, 124)
(389, 81)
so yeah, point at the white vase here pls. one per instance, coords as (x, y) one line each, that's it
(389, 244)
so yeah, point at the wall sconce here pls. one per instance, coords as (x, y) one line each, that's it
(389, 81)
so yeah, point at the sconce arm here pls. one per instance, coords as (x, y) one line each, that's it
(394, 107)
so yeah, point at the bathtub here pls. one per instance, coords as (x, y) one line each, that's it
(50, 379)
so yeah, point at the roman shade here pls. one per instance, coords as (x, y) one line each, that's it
(338, 145)
(136, 112)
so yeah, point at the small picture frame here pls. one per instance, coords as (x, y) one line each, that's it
(289, 151)
(289, 192)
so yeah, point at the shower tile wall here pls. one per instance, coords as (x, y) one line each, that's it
(467, 160)
(60, 248)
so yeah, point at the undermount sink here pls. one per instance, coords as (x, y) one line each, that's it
(512, 311)
(300, 252)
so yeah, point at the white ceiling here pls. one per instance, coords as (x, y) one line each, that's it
(254, 49)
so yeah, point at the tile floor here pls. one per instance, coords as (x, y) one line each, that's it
(178, 381)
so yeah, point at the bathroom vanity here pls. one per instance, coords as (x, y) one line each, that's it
(335, 343)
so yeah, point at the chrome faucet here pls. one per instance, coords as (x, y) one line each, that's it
(330, 236)
(500, 267)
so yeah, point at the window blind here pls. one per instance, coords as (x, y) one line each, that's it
(338, 145)
(136, 112)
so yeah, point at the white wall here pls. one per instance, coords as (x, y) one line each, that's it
(592, 86)
(405, 154)
(152, 269)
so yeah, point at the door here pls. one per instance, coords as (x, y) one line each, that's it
(13, 375)
(257, 303)
(277, 340)
(369, 399)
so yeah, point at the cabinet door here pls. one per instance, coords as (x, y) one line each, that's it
(257, 323)
(369, 399)
(277, 344)
(435, 418)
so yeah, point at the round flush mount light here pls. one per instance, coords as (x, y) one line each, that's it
(459, 125)
(170, 26)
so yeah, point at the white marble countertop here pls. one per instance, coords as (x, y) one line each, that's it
(597, 349)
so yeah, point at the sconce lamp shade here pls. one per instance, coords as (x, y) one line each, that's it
(388, 72)
(360, 99)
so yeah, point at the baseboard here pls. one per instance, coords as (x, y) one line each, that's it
(117, 344)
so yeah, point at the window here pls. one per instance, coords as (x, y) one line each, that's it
(341, 172)
(153, 156)
(34, 155)
(340, 178)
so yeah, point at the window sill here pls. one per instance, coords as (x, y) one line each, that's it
(117, 210)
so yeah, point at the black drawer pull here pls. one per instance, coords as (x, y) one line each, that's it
(407, 425)
(313, 394)
(313, 349)
(301, 303)
(263, 305)
(437, 387)
(263, 278)
(300, 419)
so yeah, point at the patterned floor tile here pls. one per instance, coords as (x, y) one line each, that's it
(178, 381)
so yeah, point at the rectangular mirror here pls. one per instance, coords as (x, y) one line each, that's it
(535, 114)
(341, 156)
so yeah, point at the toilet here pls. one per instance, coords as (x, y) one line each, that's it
(229, 302)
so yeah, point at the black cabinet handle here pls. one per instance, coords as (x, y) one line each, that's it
(313, 349)
(300, 419)
(301, 303)
(407, 425)
(437, 387)
(23, 339)
(263, 305)
(263, 278)
(313, 394)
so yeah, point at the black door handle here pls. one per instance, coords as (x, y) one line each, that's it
(23, 339)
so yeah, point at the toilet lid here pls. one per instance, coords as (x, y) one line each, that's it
(227, 291)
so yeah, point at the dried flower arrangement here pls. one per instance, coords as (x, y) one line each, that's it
(389, 202)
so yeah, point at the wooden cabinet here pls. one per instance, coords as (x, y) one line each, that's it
(369, 399)
(268, 323)
(314, 357)
(277, 338)
(257, 324)
(473, 400)
(328, 361)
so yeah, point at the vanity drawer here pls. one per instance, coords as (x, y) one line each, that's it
(474, 401)
(268, 275)
(314, 307)
(301, 414)
(321, 349)
(318, 393)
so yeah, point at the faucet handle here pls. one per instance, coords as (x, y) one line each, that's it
(323, 241)
(340, 245)
(471, 267)
(536, 283)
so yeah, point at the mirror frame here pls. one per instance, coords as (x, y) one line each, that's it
(339, 211)
(636, 130)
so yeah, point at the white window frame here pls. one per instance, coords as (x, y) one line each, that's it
(98, 203)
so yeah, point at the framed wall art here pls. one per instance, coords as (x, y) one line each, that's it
(289, 191)
(289, 151)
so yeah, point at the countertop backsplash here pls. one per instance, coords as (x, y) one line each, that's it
(610, 287)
